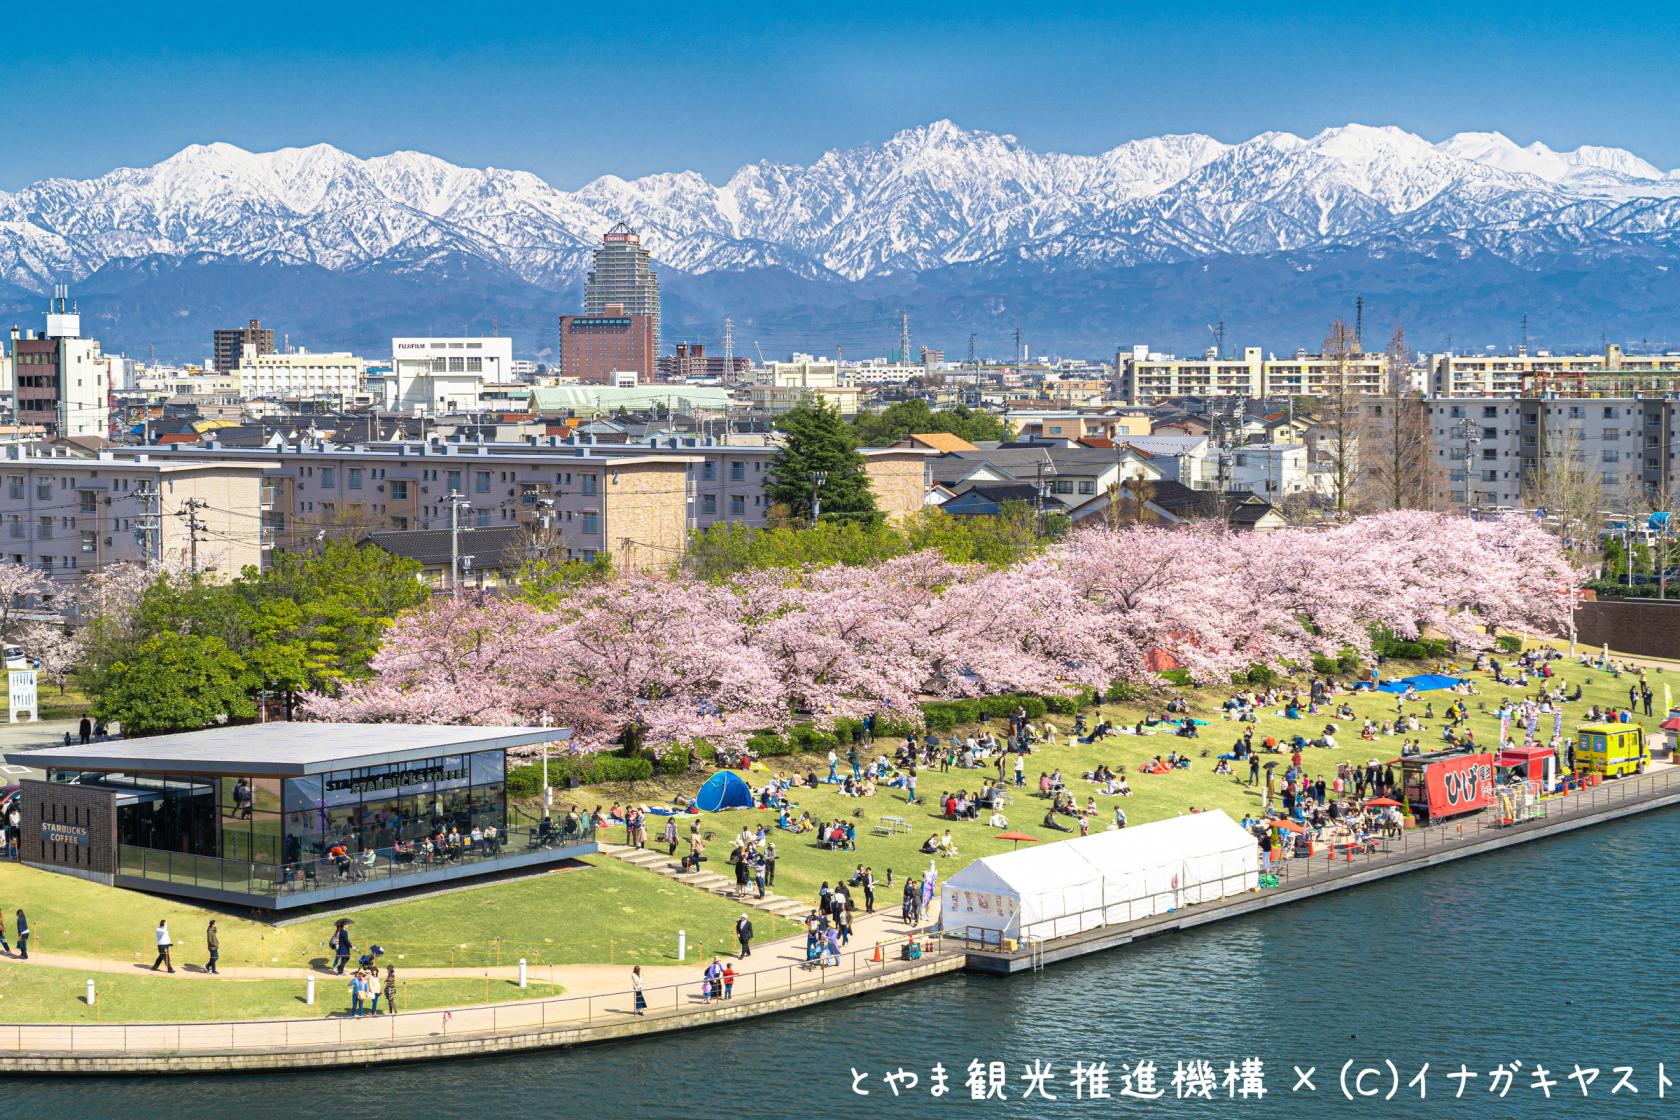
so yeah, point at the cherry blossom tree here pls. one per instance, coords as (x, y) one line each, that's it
(682, 660)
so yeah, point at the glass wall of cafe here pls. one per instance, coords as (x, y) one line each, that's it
(290, 820)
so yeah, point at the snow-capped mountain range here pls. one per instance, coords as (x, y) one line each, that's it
(928, 198)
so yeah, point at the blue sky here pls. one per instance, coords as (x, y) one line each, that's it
(576, 92)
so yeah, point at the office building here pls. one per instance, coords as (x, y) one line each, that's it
(594, 346)
(62, 381)
(436, 376)
(338, 378)
(228, 346)
(624, 275)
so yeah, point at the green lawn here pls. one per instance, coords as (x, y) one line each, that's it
(604, 911)
(31, 994)
(610, 912)
(803, 867)
(71, 705)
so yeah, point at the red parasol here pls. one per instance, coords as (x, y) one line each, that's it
(1018, 837)
(1384, 802)
(1285, 824)
(1671, 724)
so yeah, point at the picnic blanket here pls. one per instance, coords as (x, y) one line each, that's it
(1426, 682)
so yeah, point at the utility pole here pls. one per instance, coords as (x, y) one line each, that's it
(1359, 320)
(904, 337)
(149, 534)
(818, 479)
(189, 510)
(971, 361)
(456, 501)
(1017, 349)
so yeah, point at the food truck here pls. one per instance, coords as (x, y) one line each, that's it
(1532, 763)
(1611, 749)
(1445, 784)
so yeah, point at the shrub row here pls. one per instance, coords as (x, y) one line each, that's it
(586, 770)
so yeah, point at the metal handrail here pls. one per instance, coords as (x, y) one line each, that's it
(1301, 871)
(663, 1001)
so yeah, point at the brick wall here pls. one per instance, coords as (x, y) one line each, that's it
(1642, 627)
(86, 807)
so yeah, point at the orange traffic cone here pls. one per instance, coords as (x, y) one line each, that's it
(877, 957)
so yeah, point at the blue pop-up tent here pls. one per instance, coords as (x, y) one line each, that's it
(1424, 683)
(724, 790)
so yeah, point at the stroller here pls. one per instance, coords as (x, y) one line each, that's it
(369, 958)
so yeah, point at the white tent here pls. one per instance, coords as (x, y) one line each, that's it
(1059, 889)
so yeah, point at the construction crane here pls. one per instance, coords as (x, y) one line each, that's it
(760, 350)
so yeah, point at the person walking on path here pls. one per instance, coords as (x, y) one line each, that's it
(341, 947)
(391, 990)
(770, 864)
(22, 936)
(869, 890)
(670, 836)
(758, 873)
(744, 935)
(213, 943)
(855, 757)
(163, 944)
(833, 767)
(728, 981)
(1020, 769)
(636, 988)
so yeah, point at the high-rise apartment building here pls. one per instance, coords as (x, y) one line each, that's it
(691, 360)
(623, 275)
(228, 346)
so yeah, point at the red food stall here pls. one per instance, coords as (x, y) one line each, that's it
(1446, 783)
(1533, 763)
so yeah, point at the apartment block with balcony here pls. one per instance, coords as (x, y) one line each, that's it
(1612, 373)
(69, 517)
(1490, 447)
(1147, 378)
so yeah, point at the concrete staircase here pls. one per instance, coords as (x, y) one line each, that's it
(661, 864)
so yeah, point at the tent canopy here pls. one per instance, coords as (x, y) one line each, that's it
(1054, 890)
(1425, 682)
(724, 790)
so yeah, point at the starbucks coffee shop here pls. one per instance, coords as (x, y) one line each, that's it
(283, 815)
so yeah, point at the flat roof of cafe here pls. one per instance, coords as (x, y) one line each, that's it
(289, 750)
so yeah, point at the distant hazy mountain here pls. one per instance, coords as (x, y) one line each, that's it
(971, 231)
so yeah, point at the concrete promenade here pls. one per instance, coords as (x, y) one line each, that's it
(596, 1006)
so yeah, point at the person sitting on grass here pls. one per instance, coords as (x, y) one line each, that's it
(1223, 766)
(1051, 822)
(947, 844)
(930, 846)
(997, 819)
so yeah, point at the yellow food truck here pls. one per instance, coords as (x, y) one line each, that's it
(1611, 749)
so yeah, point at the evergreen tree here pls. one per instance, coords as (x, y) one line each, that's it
(819, 457)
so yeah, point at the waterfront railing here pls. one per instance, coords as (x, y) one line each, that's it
(1329, 861)
(665, 1001)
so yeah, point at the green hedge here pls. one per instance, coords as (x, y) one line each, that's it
(526, 780)
(1508, 643)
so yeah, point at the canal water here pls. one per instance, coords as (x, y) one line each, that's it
(1556, 954)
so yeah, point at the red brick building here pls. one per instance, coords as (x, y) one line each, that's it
(593, 346)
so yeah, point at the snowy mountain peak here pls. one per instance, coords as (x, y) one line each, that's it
(1495, 149)
(928, 197)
